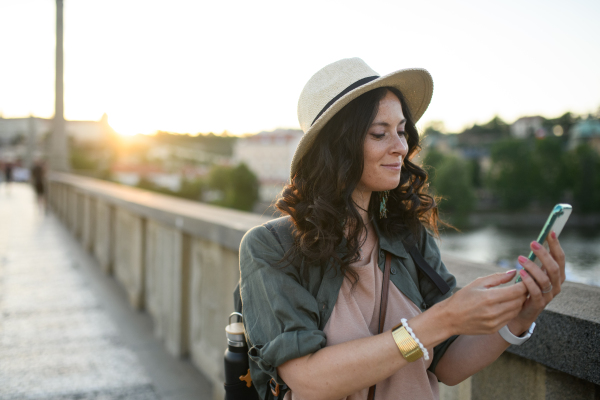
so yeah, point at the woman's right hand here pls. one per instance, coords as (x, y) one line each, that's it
(483, 308)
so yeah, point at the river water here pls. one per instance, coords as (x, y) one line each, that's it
(502, 247)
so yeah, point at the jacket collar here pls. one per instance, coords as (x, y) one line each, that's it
(392, 243)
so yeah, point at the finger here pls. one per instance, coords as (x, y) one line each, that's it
(496, 279)
(535, 293)
(536, 273)
(507, 293)
(557, 253)
(548, 263)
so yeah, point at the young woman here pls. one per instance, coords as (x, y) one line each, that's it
(312, 282)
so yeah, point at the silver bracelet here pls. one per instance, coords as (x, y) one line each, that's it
(409, 330)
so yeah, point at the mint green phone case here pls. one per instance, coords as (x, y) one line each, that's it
(556, 222)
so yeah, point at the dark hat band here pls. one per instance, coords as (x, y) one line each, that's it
(356, 84)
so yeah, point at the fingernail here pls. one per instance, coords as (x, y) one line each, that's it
(536, 245)
(553, 234)
(522, 260)
(512, 271)
(523, 273)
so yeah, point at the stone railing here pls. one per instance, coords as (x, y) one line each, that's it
(178, 260)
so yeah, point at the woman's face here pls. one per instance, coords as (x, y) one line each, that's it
(385, 147)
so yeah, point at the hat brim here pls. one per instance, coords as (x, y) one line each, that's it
(415, 84)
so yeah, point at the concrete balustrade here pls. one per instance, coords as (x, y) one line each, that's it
(102, 239)
(129, 252)
(178, 260)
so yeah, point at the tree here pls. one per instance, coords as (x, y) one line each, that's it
(239, 186)
(496, 126)
(451, 179)
(584, 168)
(245, 188)
(511, 176)
(192, 189)
(551, 175)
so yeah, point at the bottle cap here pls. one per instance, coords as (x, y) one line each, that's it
(235, 332)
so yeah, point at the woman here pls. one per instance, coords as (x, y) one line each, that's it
(312, 283)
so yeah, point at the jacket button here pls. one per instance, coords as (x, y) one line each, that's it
(424, 306)
(393, 271)
(323, 306)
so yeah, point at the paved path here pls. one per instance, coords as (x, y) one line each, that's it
(66, 330)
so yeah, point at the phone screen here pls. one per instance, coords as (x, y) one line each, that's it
(556, 222)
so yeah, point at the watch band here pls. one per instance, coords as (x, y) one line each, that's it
(516, 340)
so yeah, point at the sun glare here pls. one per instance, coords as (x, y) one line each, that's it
(125, 127)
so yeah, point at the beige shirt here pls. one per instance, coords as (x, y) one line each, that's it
(356, 315)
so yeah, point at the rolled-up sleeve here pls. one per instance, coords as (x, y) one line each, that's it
(281, 317)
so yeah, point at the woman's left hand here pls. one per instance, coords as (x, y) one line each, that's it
(542, 283)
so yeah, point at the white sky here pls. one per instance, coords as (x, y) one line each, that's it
(200, 66)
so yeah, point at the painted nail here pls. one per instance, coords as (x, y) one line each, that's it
(536, 245)
(553, 234)
(523, 273)
(522, 260)
(512, 271)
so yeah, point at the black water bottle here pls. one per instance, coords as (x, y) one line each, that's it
(238, 384)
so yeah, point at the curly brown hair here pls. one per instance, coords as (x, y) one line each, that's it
(319, 200)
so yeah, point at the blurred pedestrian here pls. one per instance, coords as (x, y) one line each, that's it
(38, 179)
(8, 175)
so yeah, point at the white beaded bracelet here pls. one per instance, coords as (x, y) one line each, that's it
(409, 330)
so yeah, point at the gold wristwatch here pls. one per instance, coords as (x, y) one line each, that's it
(408, 346)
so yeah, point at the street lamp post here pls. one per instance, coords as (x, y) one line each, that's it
(59, 153)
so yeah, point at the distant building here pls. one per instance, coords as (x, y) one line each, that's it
(11, 129)
(528, 126)
(132, 175)
(269, 156)
(586, 131)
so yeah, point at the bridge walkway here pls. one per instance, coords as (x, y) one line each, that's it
(66, 329)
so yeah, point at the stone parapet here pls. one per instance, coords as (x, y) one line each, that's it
(178, 260)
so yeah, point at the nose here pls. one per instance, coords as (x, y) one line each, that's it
(400, 146)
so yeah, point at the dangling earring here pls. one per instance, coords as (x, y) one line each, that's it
(383, 204)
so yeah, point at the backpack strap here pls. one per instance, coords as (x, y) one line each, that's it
(424, 266)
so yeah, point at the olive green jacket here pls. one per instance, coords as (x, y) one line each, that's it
(285, 311)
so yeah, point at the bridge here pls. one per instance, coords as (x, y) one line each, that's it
(120, 293)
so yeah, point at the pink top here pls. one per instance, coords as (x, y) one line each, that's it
(356, 315)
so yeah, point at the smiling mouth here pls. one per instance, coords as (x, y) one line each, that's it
(394, 167)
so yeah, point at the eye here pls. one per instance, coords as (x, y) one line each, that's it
(378, 135)
(402, 133)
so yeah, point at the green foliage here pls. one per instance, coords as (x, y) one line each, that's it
(550, 172)
(544, 172)
(475, 172)
(192, 189)
(238, 185)
(451, 179)
(81, 160)
(432, 161)
(512, 174)
(495, 125)
(584, 170)
(147, 184)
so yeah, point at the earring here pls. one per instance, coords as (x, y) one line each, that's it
(383, 204)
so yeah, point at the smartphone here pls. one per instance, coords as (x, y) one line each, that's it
(556, 222)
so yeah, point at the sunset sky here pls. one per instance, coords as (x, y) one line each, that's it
(200, 66)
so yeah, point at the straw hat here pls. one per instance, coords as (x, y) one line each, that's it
(337, 84)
